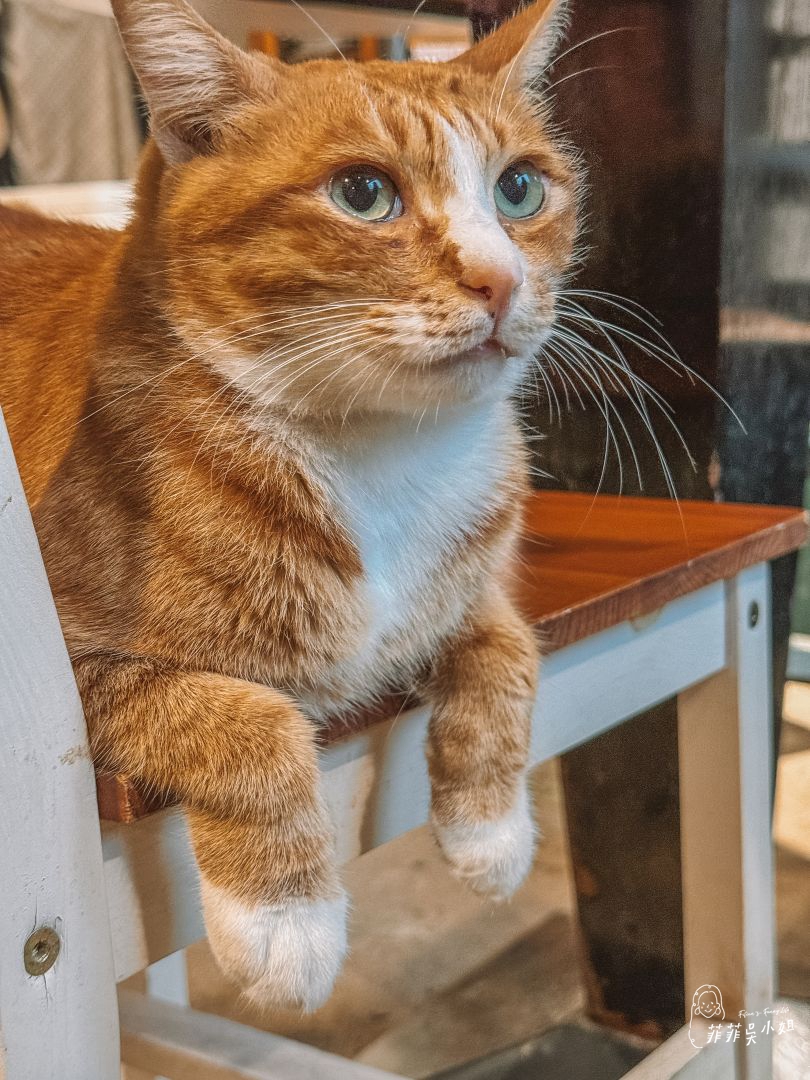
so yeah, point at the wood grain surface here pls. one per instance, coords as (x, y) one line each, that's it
(587, 564)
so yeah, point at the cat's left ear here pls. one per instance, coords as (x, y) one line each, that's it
(195, 81)
(521, 48)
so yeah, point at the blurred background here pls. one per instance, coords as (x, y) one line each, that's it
(694, 119)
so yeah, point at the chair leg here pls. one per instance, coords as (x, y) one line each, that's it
(725, 752)
(58, 1014)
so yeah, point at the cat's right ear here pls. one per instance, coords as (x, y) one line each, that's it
(194, 80)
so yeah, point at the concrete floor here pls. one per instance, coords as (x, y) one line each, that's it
(437, 978)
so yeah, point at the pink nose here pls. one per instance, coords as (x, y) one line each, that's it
(496, 285)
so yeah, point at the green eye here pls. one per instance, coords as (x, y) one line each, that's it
(365, 192)
(520, 191)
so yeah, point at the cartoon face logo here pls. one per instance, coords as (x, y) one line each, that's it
(707, 1004)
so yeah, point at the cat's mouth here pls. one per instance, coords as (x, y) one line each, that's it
(489, 351)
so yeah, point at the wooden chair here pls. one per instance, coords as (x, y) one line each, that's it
(636, 601)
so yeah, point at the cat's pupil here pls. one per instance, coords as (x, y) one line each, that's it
(361, 191)
(514, 184)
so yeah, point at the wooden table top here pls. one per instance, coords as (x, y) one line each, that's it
(587, 564)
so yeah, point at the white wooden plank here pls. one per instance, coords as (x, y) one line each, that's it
(184, 1044)
(376, 781)
(167, 980)
(152, 890)
(677, 1057)
(62, 1023)
(597, 683)
(725, 736)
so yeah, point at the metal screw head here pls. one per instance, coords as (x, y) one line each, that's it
(753, 614)
(41, 950)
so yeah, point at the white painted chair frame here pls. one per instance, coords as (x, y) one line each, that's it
(124, 897)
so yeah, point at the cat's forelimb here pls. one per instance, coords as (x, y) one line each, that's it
(483, 689)
(242, 760)
(492, 857)
(287, 954)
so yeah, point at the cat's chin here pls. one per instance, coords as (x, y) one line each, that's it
(473, 377)
(488, 352)
(486, 373)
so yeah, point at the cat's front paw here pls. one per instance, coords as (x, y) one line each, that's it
(287, 954)
(492, 857)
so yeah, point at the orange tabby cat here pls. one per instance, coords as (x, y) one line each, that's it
(275, 468)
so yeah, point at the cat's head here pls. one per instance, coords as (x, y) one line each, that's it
(337, 235)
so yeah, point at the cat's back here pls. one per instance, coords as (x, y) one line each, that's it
(53, 277)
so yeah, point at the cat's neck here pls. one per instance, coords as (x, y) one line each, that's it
(385, 441)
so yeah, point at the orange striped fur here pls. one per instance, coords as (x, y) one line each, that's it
(272, 454)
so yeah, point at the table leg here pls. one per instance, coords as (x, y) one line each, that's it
(726, 752)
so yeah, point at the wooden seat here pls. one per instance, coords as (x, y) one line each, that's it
(587, 564)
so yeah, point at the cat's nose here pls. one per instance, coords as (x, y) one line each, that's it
(495, 284)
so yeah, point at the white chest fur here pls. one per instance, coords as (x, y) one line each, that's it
(408, 495)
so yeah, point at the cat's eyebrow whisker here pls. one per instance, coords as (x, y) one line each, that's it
(574, 74)
(587, 41)
(316, 24)
(506, 79)
(416, 10)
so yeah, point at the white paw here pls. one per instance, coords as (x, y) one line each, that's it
(286, 954)
(493, 857)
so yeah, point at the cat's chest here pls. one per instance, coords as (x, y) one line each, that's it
(410, 499)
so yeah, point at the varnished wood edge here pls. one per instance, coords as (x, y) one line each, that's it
(650, 594)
